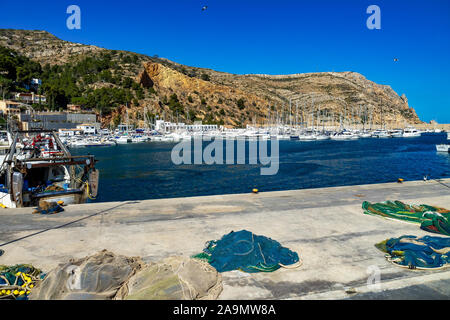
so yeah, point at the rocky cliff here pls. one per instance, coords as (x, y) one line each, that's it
(175, 91)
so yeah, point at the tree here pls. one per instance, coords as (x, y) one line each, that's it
(127, 83)
(241, 104)
(205, 77)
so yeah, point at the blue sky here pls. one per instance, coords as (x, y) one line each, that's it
(272, 37)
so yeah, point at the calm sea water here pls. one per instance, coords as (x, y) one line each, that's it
(145, 171)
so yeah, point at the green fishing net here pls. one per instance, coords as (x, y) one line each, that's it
(247, 252)
(431, 219)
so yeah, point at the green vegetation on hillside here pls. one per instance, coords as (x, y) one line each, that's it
(16, 71)
(95, 82)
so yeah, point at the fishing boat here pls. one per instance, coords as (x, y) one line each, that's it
(39, 167)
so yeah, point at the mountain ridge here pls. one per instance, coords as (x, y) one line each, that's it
(188, 93)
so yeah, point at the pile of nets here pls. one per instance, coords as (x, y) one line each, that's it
(417, 253)
(47, 208)
(432, 219)
(17, 282)
(247, 252)
(174, 278)
(97, 277)
(107, 276)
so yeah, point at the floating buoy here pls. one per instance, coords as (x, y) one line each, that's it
(255, 191)
(400, 180)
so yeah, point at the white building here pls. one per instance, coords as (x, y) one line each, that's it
(69, 132)
(88, 128)
(30, 98)
(166, 127)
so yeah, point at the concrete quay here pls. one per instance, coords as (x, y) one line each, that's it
(325, 226)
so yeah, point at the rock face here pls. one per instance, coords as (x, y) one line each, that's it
(186, 93)
(334, 94)
(43, 46)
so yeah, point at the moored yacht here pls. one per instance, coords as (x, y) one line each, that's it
(381, 134)
(344, 135)
(411, 132)
(124, 139)
(396, 133)
(444, 147)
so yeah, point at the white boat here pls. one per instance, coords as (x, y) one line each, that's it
(167, 138)
(124, 139)
(411, 132)
(344, 135)
(139, 139)
(443, 148)
(306, 137)
(156, 138)
(365, 134)
(322, 136)
(281, 137)
(91, 142)
(397, 133)
(381, 134)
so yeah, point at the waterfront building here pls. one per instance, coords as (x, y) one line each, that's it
(30, 98)
(9, 107)
(55, 120)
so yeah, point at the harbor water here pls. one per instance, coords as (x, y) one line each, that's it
(145, 170)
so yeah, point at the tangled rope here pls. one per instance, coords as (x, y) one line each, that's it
(87, 189)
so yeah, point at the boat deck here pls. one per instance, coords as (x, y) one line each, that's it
(325, 226)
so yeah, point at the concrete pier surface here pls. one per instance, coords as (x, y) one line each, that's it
(325, 226)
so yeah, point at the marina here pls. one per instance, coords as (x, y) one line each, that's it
(164, 132)
(139, 171)
(214, 159)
